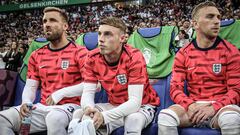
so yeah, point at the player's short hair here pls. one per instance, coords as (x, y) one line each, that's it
(115, 22)
(62, 12)
(200, 6)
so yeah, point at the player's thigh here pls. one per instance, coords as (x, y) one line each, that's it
(12, 116)
(38, 119)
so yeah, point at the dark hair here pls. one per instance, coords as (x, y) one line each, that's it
(115, 22)
(23, 47)
(62, 12)
(200, 6)
(186, 36)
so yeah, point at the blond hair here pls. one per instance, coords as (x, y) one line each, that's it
(200, 6)
(62, 12)
(115, 22)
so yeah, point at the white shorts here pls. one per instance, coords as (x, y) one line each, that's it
(147, 110)
(38, 115)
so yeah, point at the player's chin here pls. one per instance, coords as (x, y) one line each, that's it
(103, 51)
(214, 34)
(48, 37)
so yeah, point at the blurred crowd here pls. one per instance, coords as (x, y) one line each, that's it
(23, 26)
(5, 2)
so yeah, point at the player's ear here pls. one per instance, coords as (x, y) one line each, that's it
(122, 37)
(65, 26)
(195, 24)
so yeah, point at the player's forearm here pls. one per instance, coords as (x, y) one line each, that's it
(135, 93)
(88, 95)
(71, 91)
(29, 91)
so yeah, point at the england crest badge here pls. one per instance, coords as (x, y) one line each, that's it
(217, 68)
(122, 79)
(65, 64)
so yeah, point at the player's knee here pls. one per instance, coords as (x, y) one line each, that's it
(6, 127)
(136, 118)
(135, 122)
(168, 117)
(10, 116)
(78, 114)
(4, 121)
(54, 118)
(229, 119)
(10, 119)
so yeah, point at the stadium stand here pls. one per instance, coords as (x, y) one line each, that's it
(25, 25)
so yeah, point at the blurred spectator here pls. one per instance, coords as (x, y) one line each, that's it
(6, 48)
(25, 25)
(187, 28)
(22, 51)
(12, 57)
(2, 54)
(4, 2)
(182, 39)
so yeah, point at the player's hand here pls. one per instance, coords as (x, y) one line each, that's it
(24, 110)
(90, 112)
(50, 101)
(202, 114)
(95, 115)
(98, 119)
(195, 107)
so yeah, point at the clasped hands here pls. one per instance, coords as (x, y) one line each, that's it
(199, 112)
(95, 115)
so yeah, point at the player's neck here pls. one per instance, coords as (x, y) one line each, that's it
(114, 57)
(205, 42)
(60, 43)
